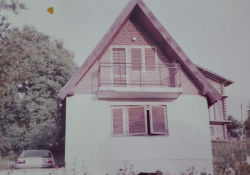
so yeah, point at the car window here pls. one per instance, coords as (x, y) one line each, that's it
(36, 153)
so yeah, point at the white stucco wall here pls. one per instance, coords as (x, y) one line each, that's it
(88, 137)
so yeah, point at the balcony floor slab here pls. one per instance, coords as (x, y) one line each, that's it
(139, 92)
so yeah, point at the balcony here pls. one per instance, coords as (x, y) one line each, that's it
(126, 80)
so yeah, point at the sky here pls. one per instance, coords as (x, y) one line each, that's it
(215, 34)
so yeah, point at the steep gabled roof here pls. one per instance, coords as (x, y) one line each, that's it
(138, 10)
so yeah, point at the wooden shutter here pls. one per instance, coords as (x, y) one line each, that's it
(137, 122)
(158, 120)
(119, 61)
(136, 57)
(118, 121)
(172, 70)
(150, 59)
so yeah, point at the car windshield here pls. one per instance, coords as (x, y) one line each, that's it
(36, 153)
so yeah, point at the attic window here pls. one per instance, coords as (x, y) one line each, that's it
(139, 120)
(150, 59)
(136, 59)
(143, 58)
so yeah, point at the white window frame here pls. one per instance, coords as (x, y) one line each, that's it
(124, 120)
(151, 119)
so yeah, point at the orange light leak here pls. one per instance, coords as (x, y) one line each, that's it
(51, 10)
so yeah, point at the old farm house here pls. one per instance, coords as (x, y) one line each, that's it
(138, 97)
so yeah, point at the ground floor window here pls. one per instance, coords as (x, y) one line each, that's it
(139, 120)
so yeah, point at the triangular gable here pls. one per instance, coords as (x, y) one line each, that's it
(139, 11)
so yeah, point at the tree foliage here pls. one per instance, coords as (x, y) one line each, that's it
(11, 5)
(5, 75)
(39, 69)
(234, 128)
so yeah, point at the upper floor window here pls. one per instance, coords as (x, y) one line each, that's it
(139, 120)
(143, 59)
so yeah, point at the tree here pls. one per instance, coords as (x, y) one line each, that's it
(13, 6)
(234, 128)
(29, 107)
(5, 74)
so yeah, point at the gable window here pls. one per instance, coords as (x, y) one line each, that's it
(119, 66)
(136, 59)
(143, 59)
(139, 120)
(150, 59)
(119, 60)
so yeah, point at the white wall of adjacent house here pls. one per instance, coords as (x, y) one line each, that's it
(89, 140)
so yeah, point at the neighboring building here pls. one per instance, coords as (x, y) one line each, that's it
(138, 97)
(217, 112)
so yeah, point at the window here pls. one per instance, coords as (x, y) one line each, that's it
(150, 59)
(143, 59)
(119, 67)
(139, 120)
(136, 59)
(118, 120)
(119, 60)
(137, 123)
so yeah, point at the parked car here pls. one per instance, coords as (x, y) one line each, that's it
(35, 159)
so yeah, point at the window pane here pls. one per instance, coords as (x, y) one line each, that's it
(137, 120)
(119, 61)
(117, 121)
(136, 59)
(150, 59)
(158, 119)
(36, 153)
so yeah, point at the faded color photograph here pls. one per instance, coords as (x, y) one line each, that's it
(128, 87)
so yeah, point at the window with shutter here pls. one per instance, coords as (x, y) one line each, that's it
(118, 120)
(137, 122)
(136, 59)
(172, 70)
(150, 59)
(119, 61)
(119, 67)
(158, 120)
